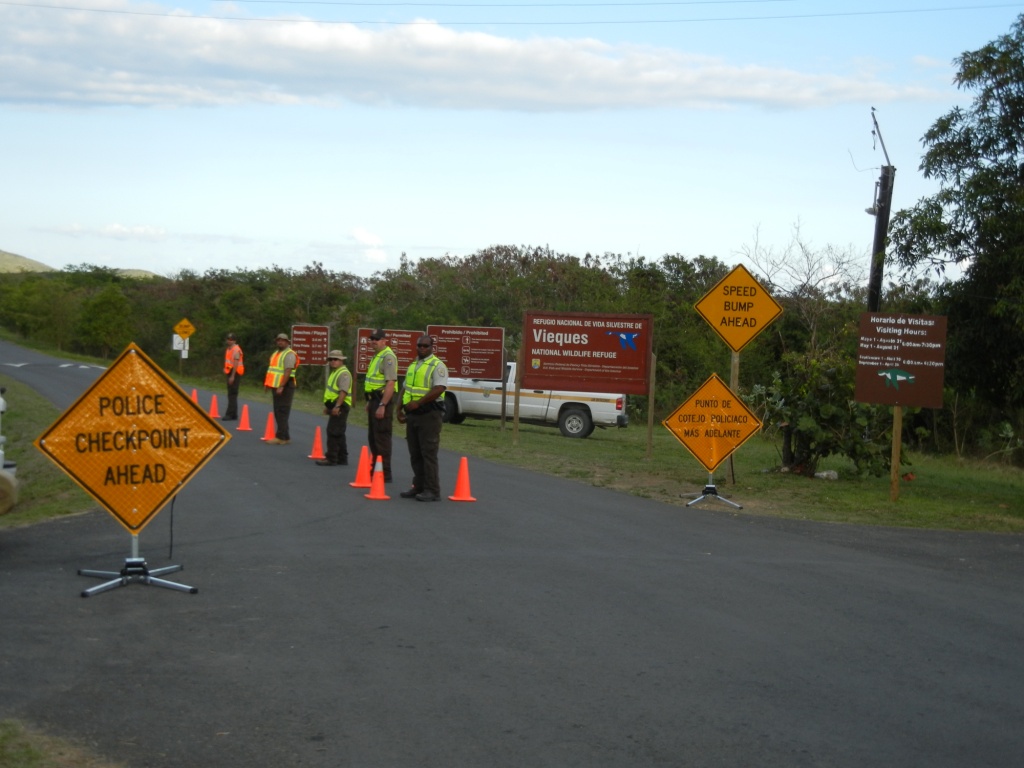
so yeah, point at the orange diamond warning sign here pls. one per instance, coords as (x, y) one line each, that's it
(133, 439)
(184, 328)
(738, 308)
(712, 423)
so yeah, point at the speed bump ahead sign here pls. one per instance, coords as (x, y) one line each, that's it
(712, 423)
(133, 439)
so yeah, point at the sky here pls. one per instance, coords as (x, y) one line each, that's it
(197, 135)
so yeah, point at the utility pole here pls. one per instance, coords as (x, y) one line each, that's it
(881, 209)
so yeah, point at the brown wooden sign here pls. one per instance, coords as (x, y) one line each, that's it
(901, 360)
(311, 343)
(470, 352)
(402, 343)
(587, 352)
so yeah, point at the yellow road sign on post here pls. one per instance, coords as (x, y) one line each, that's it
(712, 423)
(184, 328)
(738, 308)
(133, 439)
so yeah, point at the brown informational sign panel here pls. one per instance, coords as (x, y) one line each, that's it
(712, 423)
(587, 352)
(311, 343)
(402, 343)
(470, 352)
(901, 360)
(184, 328)
(738, 308)
(133, 439)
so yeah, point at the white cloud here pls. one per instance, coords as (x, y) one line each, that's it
(56, 57)
(115, 232)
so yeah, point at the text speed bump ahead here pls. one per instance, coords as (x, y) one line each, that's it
(133, 439)
(712, 423)
(738, 308)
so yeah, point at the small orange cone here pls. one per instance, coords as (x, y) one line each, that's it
(377, 486)
(195, 396)
(214, 413)
(243, 424)
(268, 433)
(363, 470)
(318, 447)
(462, 484)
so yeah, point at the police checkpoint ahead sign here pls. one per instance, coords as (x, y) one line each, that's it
(738, 308)
(133, 439)
(712, 423)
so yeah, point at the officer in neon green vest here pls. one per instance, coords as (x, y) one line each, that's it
(426, 379)
(381, 386)
(337, 404)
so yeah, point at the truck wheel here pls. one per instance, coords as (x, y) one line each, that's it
(575, 422)
(451, 411)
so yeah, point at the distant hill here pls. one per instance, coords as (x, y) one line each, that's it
(12, 262)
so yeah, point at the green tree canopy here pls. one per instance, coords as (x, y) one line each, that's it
(976, 220)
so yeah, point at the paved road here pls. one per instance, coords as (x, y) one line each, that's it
(547, 624)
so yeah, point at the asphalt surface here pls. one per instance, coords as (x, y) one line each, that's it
(546, 624)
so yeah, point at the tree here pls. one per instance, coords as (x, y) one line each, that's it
(976, 221)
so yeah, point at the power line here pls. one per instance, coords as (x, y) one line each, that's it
(618, 22)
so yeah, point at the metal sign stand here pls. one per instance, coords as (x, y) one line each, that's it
(711, 492)
(135, 571)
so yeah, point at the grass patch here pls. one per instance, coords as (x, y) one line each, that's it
(44, 491)
(946, 493)
(21, 747)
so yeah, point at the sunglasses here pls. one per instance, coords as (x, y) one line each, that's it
(424, 345)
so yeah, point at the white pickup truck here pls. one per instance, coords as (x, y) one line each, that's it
(575, 413)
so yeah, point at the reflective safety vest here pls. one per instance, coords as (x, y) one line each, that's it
(332, 391)
(375, 374)
(417, 380)
(234, 360)
(275, 373)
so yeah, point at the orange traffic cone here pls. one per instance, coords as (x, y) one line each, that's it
(318, 447)
(268, 433)
(363, 470)
(214, 413)
(243, 424)
(377, 486)
(195, 396)
(462, 484)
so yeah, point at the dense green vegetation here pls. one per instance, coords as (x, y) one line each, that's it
(798, 372)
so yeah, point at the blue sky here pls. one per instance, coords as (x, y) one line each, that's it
(168, 136)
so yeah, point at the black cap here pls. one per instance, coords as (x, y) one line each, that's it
(380, 333)
(425, 340)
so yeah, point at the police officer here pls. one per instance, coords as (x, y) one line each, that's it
(234, 367)
(337, 403)
(422, 407)
(381, 388)
(280, 380)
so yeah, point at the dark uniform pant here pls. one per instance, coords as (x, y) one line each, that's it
(231, 412)
(337, 445)
(379, 434)
(283, 409)
(423, 435)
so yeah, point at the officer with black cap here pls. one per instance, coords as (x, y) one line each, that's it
(381, 387)
(426, 380)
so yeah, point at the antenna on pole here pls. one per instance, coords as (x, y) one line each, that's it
(880, 210)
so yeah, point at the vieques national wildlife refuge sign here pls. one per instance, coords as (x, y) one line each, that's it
(133, 439)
